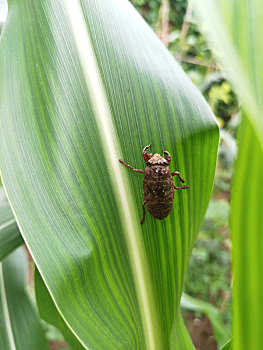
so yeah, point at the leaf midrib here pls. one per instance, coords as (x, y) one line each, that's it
(112, 152)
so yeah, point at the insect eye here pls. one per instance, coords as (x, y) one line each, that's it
(148, 163)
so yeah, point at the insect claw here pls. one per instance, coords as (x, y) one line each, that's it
(146, 147)
(146, 155)
(168, 155)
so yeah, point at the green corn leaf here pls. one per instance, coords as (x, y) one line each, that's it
(10, 237)
(227, 346)
(20, 326)
(236, 28)
(247, 231)
(84, 84)
(49, 312)
(221, 332)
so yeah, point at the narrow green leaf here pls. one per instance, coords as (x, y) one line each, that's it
(10, 237)
(236, 27)
(247, 235)
(227, 346)
(221, 332)
(180, 338)
(20, 326)
(49, 312)
(87, 83)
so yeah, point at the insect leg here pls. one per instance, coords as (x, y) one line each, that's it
(143, 211)
(181, 187)
(178, 174)
(129, 166)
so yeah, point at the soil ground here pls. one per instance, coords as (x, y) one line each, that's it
(201, 332)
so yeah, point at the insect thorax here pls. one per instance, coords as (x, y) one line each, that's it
(157, 173)
(157, 159)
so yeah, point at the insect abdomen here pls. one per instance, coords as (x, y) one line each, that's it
(158, 191)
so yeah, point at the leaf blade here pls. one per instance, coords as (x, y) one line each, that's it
(17, 313)
(49, 313)
(228, 345)
(10, 237)
(247, 287)
(112, 152)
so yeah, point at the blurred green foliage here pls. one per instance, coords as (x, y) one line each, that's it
(190, 48)
(55, 338)
(149, 9)
(220, 96)
(208, 274)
